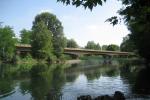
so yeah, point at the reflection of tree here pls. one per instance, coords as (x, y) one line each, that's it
(126, 74)
(95, 73)
(25, 87)
(70, 77)
(112, 72)
(46, 82)
(72, 73)
(142, 84)
(39, 88)
(6, 82)
(139, 78)
(6, 86)
(40, 81)
(58, 80)
(92, 74)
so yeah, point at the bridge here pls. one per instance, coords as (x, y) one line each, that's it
(22, 49)
(77, 51)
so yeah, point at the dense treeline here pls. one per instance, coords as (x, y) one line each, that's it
(71, 43)
(46, 38)
(92, 45)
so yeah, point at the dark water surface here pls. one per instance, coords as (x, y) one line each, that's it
(43, 82)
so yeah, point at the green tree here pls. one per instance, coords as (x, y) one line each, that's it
(7, 43)
(112, 47)
(56, 29)
(104, 47)
(41, 41)
(85, 3)
(97, 46)
(92, 45)
(25, 36)
(137, 18)
(71, 43)
(127, 45)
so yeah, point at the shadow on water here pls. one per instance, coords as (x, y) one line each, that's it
(142, 85)
(6, 82)
(138, 77)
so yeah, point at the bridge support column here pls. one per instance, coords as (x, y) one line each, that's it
(18, 52)
(107, 59)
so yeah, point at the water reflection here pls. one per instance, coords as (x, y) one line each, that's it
(138, 78)
(142, 85)
(6, 82)
(53, 82)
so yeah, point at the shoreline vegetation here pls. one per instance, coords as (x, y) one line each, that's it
(44, 43)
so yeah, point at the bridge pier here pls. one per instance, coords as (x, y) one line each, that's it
(107, 59)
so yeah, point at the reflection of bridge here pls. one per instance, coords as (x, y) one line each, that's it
(75, 51)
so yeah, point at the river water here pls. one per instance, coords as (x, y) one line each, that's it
(44, 82)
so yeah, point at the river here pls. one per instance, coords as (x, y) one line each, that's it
(44, 82)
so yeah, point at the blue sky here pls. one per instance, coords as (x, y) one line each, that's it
(79, 24)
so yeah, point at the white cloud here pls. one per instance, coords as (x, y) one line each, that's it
(46, 10)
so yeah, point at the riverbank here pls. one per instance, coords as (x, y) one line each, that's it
(117, 96)
(73, 61)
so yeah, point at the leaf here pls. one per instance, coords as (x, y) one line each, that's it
(113, 20)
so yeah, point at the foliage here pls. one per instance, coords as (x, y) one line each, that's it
(92, 45)
(71, 43)
(113, 20)
(7, 43)
(137, 18)
(41, 41)
(85, 3)
(112, 47)
(25, 36)
(28, 59)
(104, 47)
(127, 45)
(55, 29)
(6, 86)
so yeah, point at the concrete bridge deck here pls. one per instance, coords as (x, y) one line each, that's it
(75, 51)
(94, 52)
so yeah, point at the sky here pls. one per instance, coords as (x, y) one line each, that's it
(80, 24)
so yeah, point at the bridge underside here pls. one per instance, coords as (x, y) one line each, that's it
(75, 51)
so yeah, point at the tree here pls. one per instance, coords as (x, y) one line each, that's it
(25, 36)
(92, 45)
(55, 28)
(112, 47)
(137, 18)
(97, 46)
(85, 3)
(127, 45)
(41, 41)
(71, 43)
(104, 47)
(7, 43)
